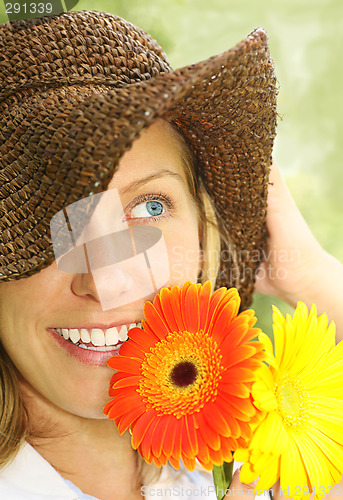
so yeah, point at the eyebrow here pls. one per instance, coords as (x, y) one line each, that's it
(162, 173)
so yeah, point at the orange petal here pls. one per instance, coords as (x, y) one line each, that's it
(144, 338)
(125, 364)
(122, 404)
(157, 462)
(189, 438)
(215, 419)
(245, 430)
(241, 374)
(191, 309)
(239, 390)
(203, 454)
(206, 465)
(204, 303)
(160, 460)
(228, 445)
(148, 458)
(216, 457)
(140, 427)
(171, 427)
(175, 304)
(146, 444)
(149, 331)
(184, 291)
(126, 382)
(159, 436)
(189, 463)
(158, 307)
(237, 330)
(155, 321)
(230, 409)
(223, 318)
(174, 463)
(166, 305)
(244, 405)
(126, 420)
(131, 349)
(107, 407)
(163, 459)
(235, 430)
(234, 355)
(209, 435)
(177, 445)
(216, 299)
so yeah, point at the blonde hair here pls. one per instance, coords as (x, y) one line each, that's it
(13, 418)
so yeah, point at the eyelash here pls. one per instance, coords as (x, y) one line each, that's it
(162, 198)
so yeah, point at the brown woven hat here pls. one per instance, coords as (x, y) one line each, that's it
(78, 88)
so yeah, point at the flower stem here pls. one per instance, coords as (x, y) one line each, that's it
(222, 477)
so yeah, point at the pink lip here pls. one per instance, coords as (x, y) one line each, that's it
(85, 356)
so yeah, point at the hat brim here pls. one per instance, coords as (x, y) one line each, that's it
(73, 137)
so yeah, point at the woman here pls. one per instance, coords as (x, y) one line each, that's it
(90, 105)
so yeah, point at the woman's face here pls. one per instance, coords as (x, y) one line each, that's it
(35, 312)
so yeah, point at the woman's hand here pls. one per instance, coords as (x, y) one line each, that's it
(295, 266)
(240, 490)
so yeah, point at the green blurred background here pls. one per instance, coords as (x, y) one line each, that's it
(306, 41)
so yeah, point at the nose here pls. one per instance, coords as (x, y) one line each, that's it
(103, 288)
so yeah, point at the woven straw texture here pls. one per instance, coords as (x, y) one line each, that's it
(78, 88)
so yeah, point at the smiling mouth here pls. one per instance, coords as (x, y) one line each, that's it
(97, 339)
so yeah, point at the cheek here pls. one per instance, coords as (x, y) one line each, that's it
(184, 257)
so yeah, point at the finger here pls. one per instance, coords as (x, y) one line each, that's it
(280, 200)
(240, 490)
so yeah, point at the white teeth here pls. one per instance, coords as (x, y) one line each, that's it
(74, 335)
(111, 336)
(97, 337)
(65, 333)
(85, 337)
(123, 333)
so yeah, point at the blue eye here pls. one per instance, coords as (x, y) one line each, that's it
(151, 208)
(154, 207)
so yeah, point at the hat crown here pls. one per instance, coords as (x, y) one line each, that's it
(76, 47)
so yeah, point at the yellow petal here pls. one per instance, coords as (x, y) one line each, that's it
(293, 478)
(247, 475)
(270, 474)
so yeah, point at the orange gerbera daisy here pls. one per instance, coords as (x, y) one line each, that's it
(183, 382)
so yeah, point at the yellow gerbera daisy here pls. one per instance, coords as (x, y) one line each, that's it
(300, 439)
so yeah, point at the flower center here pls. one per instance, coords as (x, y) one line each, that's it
(181, 373)
(293, 402)
(184, 374)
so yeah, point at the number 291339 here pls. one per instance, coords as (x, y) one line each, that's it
(28, 8)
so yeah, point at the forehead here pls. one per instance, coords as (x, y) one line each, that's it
(157, 150)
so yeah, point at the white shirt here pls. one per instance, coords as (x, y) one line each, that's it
(31, 477)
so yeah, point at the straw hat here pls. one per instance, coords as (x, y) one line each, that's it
(78, 88)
